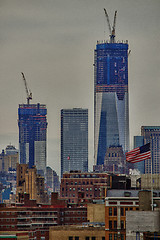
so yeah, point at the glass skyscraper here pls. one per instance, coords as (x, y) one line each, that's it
(152, 134)
(32, 124)
(111, 113)
(74, 140)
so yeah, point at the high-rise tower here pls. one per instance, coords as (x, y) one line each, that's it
(111, 113)
(74, 140)
(152, 134)
(32, 135)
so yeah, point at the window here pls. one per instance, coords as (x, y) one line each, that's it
(103, 238)
(122, 237)
(110, 236)
(115, 211)
(86, 238)
(126, 209)
(110, 224)
(110, 211)
(115, 236)
(115, 224)
(70, 238)
(76, 238)
(122, 224)
(93, 238)
(122, 211)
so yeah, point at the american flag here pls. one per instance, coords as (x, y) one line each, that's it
(139, 154)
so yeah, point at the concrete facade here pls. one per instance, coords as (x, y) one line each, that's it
(146, 181)
(138, 222)
(96, 212)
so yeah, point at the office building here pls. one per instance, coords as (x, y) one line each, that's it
(32, 124)
(28, 181)
(111, 110)
(152, 134)
(52, 180)
(8, 159)
(74, 140)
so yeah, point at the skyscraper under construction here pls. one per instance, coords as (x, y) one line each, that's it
(32, 135)
(32, 124)
(111, 113)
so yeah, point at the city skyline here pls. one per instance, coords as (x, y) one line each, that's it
(43, 38)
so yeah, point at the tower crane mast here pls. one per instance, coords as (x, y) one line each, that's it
(28, 91)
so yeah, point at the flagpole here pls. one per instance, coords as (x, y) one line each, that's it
(151, 175)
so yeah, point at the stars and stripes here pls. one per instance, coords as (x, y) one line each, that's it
(139, 154)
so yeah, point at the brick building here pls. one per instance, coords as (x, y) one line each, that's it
(79, 188)
(38, 218)
(115, 213)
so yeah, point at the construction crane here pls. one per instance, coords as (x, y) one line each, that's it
(112, 31)
(28, 91)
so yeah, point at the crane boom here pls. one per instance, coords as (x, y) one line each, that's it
(114, 24)
(109, 25)
(112, 31)
(28, 92)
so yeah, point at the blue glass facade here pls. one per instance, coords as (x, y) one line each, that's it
(111, 115)
(74, 140)
(32, 124)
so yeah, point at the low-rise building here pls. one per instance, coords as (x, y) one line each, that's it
(80, 188)
(90, 231)
(116, 206)
(36, 218)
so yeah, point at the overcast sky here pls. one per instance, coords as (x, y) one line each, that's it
(53, 41)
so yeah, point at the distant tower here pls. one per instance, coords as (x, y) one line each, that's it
(74, 140)
(32, 124)
(152, 134)
(114, 161)
(111, 111)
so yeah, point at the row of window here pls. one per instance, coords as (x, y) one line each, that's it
(113, 224)
(115, 237)
(84, 176)
(71, 212)
(82, 189)
(86, 238)
(113, 211)
(7, 219)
